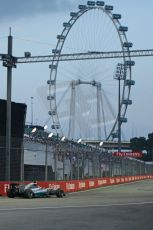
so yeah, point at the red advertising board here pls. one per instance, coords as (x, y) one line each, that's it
(80, 185)
(128, 154)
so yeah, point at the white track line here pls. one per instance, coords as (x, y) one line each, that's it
(76, 206)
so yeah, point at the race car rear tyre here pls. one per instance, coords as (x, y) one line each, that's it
(10, 194)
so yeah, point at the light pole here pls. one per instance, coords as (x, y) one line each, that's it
(78, 152)
(46, 162)
(50, 135)
(119, 75)
(31, 110)
(46, 153)
(9, 63)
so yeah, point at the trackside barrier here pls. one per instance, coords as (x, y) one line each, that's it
(80, 185)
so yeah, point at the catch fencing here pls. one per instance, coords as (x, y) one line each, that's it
(43, 160)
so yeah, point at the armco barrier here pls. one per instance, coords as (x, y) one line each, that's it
(80, 185)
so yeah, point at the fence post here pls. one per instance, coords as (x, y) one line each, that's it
(22, 164)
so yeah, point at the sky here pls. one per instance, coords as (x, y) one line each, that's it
(35, 25)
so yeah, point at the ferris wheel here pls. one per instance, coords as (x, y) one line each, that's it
(83, 94)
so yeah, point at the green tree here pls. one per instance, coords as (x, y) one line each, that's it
(138, 144)
(149, 147)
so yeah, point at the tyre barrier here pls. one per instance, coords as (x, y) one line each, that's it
(80, 185)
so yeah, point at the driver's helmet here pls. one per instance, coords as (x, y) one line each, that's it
(35, 183)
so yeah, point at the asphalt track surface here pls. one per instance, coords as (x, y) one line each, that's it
(121, 207)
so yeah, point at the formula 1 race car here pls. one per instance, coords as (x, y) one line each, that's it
(32, 190)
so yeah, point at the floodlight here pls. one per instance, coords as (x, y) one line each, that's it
(79, 141)
(50, 135)
(34, 130)
(101, 143)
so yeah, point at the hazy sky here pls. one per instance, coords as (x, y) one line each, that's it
(35, 25)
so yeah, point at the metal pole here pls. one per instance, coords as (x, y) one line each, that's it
(46, 162)
(31, 110)
(98, 111)
(88, 167)
(119, 76)
(64, 157)
(22, 164)
(71, 129)
(71, 166)
(77, 166)
(8, 116)
(110, 168)
(119, 114)
(55, 161)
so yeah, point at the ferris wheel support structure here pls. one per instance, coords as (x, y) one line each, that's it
(100, 108)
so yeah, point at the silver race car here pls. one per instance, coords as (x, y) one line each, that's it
(32, 190)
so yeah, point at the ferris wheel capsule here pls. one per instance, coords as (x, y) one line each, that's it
(51, 97)
(55, 126)
(117, 16)
(51, 82)
(53, 112)
(100, 3)
(91, 3)
(130, 63)
(74, 14)
(127, 44)
(67, 24)
(127, 102)
(82, 7)
(52, 66)
(55, 51)
(123, 119)
(123, 28)
(108, 7)
(129, 82)
(60, 37)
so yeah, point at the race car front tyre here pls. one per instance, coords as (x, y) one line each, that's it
(60, 193)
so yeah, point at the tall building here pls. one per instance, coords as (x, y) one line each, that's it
(18, 115)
